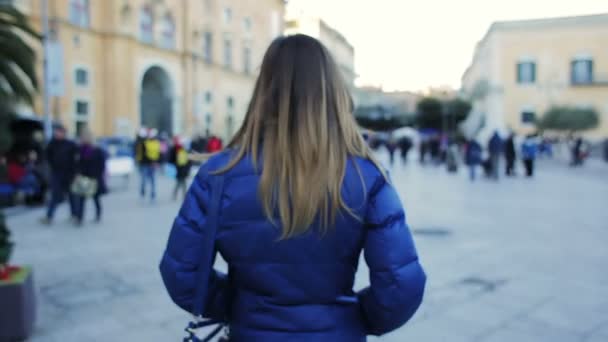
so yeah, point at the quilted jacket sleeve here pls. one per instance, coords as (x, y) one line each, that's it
(182, 256)
(397, 279)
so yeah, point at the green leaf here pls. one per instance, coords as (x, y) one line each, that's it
(20, 90)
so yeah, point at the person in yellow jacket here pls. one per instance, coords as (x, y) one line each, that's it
(150, 157)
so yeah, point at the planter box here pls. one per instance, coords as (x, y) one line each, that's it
(18, 308)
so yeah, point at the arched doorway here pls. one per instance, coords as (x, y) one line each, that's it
(156, 100)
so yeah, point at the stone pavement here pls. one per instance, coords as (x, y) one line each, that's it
(517, 260)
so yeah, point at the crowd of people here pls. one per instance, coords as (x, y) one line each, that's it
(498, 149)
(152, 153)
(77, 173)
(439, 149)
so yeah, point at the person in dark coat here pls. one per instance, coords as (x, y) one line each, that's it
(510, 155)
(578, 152)
(391, 146)
(473, 157)
(293, 217)
(405, 144)
(179, 158)
(61, 157)
(529, 150)
(91, 164)
(495, 149)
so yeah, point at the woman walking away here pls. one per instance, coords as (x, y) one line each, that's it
(290, 206)
(178, 156)
(90, 177)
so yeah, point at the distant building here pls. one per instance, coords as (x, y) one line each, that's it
(178, 66)
(522, 68)
(298, 20)
(398, 102)
(442, 92)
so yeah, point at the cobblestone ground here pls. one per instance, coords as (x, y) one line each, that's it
(518, 260)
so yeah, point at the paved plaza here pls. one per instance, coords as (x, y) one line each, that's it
(518, 260)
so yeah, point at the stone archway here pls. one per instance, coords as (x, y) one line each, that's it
(156, 100)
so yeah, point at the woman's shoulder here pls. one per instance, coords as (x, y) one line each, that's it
(367, 166)
(373, 174)
(221, 160)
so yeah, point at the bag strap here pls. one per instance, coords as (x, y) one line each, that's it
(206, 265)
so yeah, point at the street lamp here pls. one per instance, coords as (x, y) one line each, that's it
(48, 125)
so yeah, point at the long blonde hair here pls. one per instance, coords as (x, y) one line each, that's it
(300, 124)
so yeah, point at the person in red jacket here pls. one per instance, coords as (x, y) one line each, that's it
(214, 144)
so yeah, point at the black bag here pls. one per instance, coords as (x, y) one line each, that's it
(204, 270)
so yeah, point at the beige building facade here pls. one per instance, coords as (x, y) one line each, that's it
(299, 20)
(520, 69)
(181, 66)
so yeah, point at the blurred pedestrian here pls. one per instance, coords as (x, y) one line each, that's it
(473, 157)
(405, 144)
(138, 149)
(199, 143)
(451, 157)
(579, 152)
(214, 144)
(529, 149)
(179, 157)
(149, 164)
(495, 149)
(510, 155)
(284, 223)
(423, 150)
(90, 172)
(61, 156)
(391, 146)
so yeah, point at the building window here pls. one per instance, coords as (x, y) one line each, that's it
(168, 32)
(227, 53)
(146, 25)
(528, 117)
(81, 127)
(208, 5)
(208, 47)
(208, 97)
(208, 119)
(582, 71)
(247, 24)
(227, 15)
(229, 126)
(526, 72)
(82, 109)
(229, 116)
(81, 77)
(125, 14)
(80, 13)
(247, 60)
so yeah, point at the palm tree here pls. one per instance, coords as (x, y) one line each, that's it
(18, 81)
(18, 84)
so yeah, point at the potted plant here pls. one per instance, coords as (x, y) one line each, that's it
(17, 74)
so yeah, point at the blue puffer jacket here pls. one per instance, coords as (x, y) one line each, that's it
(300, 289)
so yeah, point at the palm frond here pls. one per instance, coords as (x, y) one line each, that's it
(12, 18)
(18, 81)
(16, 50)
(11, 79)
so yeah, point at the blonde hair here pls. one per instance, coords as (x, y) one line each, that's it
(300, 125)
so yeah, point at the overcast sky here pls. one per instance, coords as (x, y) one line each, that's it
(411, 45)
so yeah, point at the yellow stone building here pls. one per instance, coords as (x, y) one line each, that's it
(181, 66)
(522, 68)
